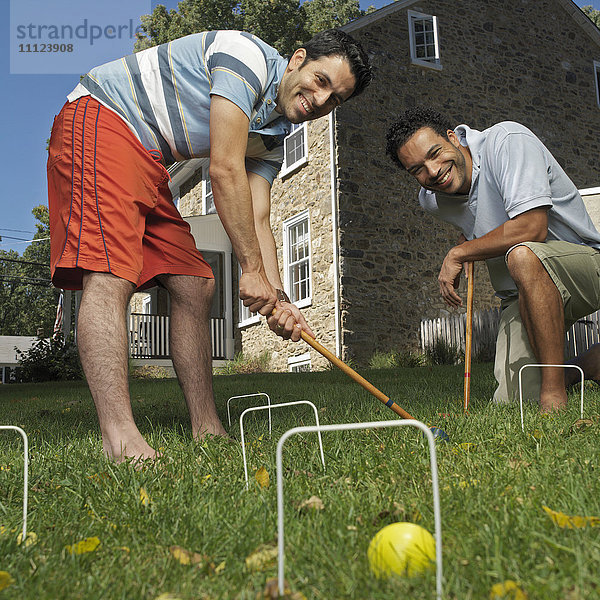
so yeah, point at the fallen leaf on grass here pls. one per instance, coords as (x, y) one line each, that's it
(565, 521)
(271, 591)
(5, 580)
(465, 447)
(88, 545)
(144, 497)
(582, 424)
(507, 590)
(262, 558)
(313, 503)
(30, 539)
(186, 557)
(168, 596)
(262, 477)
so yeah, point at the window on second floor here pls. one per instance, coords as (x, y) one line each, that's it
(295, 149)
(424, 44)
(597, 78)
(297, 259)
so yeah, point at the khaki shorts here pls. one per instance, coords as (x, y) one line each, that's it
(575, 270)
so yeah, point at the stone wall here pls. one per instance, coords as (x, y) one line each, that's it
(190, 196)
(520, 60)
(308, 188)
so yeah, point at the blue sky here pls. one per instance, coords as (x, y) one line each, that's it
(28, 106)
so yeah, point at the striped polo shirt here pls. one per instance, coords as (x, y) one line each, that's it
(163, 93)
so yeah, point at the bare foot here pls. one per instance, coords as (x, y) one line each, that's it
(137, 450)
(553, 403)
(213, 429)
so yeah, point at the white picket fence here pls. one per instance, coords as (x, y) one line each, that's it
(580, 337)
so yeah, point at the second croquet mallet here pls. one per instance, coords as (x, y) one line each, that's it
(469, 334)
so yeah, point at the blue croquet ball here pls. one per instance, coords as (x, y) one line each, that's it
(439, 434)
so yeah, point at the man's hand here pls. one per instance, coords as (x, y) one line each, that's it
(257, 293)
(288, 322)
(449, 278)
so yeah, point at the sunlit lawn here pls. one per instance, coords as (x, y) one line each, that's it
(494, 481)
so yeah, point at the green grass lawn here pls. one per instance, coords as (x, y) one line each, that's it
(494, 481)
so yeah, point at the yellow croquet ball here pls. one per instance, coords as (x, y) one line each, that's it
(401, 549)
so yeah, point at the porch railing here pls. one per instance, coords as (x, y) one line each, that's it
(149, 336)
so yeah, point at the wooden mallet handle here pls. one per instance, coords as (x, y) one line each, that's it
(354, 375)
(469, 334)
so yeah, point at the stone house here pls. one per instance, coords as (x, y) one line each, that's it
(357, 252)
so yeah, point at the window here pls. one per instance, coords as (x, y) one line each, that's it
(597, 78)
(208, 203)
(147, 304)
(295, 149)
(296, 259)
(299, 364)
(424, 45)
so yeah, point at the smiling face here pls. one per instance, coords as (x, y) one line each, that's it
(313, 89)
(438, 164)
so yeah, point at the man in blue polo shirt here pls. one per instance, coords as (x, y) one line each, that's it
(222, 94)
(519, 211)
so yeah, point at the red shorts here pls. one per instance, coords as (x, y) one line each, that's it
(111, 210)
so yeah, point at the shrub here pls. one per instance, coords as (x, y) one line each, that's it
(393, 359)
(241, 365)
(150, 372)
(384, 360)
(412, 359)
(442, 352)
(49, 359)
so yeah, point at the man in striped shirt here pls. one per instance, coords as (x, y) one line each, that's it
(222, 94)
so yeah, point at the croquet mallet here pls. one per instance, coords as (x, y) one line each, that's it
(332, 358)
(469, 334)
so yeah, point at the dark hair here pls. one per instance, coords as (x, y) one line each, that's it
(409, 123)
(335, 42)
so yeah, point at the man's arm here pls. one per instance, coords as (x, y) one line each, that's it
(530, 226)
(233, 200)
(287, 315)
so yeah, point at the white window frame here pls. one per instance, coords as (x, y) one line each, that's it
(288, 225)
(433, 63)
(147, 304)
(245, 317)
(298, 130)
(207, 195)
(597, 80)
(299, 361)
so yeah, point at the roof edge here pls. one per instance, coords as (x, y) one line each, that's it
(576, 13)
(376, 15)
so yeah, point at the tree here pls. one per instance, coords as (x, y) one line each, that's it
(280, 23)
(27, 300)
(326, 14)
(284, 24)
(593, 14)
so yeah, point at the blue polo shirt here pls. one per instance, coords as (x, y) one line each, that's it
(163, 93)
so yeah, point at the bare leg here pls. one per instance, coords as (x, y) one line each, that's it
(191, 348)
(542, 312)
(102, 341)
